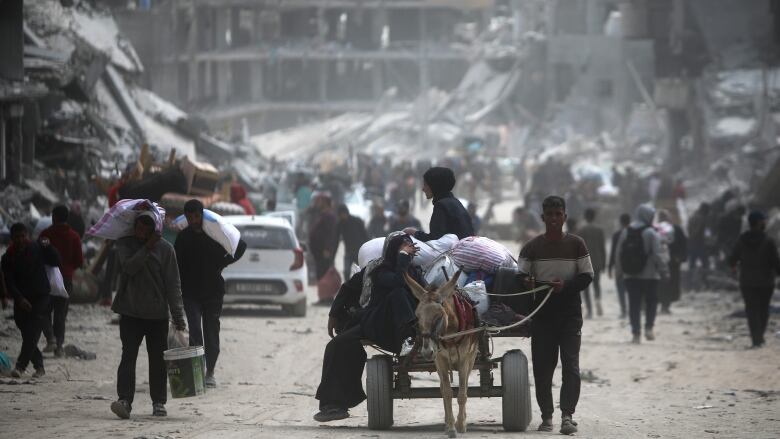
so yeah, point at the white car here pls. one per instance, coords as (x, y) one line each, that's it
(272, 270)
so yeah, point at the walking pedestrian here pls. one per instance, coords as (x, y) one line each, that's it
(643, 263)
(149, 290)
(677, 244)
(699, 237)
(755, 256)
(200, 260)
(560, 260)
(24, 269)
(68, 245)
(449, 215)
(614, 269)
(322, 234)
(596, 243)
(377, 225)
(403, 218)
(352, 231)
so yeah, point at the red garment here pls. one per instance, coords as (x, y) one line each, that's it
(68, 244)
(113, 194)
(465, 311)
(238, 196)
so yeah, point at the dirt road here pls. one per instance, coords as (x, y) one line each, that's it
(696, 380)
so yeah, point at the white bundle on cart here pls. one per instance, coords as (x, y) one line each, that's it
(226, 234)
(119, 221)
(429, 251)
(478, 253)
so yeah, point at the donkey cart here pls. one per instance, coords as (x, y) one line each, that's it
(388, 376)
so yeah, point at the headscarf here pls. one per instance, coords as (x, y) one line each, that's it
(441, 180)
(389, 253)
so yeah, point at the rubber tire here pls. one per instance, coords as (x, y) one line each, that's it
(296, 309)
(516, 401)
(379, 390)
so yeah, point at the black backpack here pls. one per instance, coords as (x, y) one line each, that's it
(633, 256)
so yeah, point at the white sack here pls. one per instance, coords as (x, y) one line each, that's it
(477, 292)
(56, 282)
(119, 221)
(226, 234)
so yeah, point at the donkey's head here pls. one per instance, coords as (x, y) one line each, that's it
(432, 319)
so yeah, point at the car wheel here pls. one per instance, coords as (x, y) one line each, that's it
(296, 309)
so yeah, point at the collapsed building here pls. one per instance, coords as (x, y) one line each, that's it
(72, 112)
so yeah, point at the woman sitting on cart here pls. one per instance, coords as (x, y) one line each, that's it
(376, 305)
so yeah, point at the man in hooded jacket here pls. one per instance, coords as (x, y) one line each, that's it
(449, 215)
(643, 285)
(756, 256)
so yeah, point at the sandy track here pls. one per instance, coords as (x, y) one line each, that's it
(696, 380)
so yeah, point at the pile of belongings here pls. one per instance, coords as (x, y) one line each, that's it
(478, 258)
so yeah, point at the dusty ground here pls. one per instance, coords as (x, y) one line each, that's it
(696, 380)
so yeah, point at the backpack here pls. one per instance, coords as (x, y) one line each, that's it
(633, 256)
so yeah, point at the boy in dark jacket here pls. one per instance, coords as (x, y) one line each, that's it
(755, 254)
(149, 291)
(201, 261)
(449, 215)
(24, 269)
(68, 245)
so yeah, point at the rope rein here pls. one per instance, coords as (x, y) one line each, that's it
(498, 329)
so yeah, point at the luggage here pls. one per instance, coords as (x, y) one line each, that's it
(154, 186)
(328, 286)
(227, 235)
(119, 221)
(429, 251)
(478, 253)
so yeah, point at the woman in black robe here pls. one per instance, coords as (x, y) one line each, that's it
(377, 305)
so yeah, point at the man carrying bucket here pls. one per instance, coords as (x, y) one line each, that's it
(201, 260)
(149, 288)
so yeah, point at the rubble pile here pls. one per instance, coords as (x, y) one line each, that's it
(94, 117)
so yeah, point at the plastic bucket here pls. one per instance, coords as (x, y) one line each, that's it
(186, 371)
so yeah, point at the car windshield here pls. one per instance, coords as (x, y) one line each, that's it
(266, 238)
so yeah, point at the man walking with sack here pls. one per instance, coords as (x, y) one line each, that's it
(644, 263)
(148, 290)
(201, 260)
(68, 245)
(24, 270)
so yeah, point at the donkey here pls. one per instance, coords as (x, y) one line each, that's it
(436, 316)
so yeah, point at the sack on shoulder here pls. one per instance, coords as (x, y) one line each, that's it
(633, 255)
(56, 282)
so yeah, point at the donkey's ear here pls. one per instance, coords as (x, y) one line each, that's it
(448, 289)
(418, 291)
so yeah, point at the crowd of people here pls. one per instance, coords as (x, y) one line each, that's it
(160, 282)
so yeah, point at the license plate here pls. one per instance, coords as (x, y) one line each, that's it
(255, 288)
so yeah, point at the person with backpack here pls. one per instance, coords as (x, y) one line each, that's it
(643, 263)
(755, 255)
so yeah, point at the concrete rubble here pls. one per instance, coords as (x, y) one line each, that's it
(93, 114)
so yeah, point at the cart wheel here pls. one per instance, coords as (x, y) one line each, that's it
(516, 401)
(379, 387)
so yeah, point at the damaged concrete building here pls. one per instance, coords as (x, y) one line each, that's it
(277, 64)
